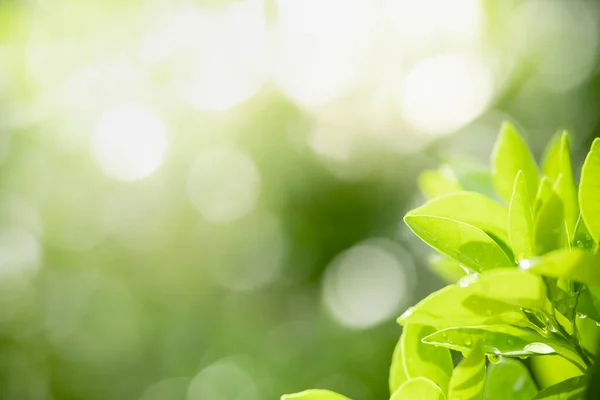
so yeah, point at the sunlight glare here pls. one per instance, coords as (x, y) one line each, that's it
(320, 46)
(224, 184)
(216, 57)
(130, 143)
(445, 92)
(366, 285)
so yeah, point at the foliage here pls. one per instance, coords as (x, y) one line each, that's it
(529, 295)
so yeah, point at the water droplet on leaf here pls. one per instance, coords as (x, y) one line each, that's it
(494, 358)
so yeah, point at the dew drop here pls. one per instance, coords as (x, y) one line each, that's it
(467, 280)
(539, 348)
(494, 358)
(525, 264)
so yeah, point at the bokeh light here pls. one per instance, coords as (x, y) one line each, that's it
(216, 56)
(458, 22)
(224, 380)
(320, 47)
(20, 253)
(445, 92)
(224, 184)
(130, 143)
(366, 285)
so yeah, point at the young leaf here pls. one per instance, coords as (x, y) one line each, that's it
(418, 388)
(550, 370)
(468, 379)
(397, 372)
(520, 225)
(543, 194)
(434, 183)
(551, 157)
(589, 191)
(549, 224)
(588, 333)
(588, 303)
(471, 208)
(511, 155)
(582, 238)
(571, 389)
(314, 394)
(509, 379)
(494, 297)
(468, 245)
(503, 340)
(577, 265)
(558, 162)
(423, 361)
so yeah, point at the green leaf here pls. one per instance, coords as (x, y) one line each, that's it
(571, 389)
(557, 161)
(566, 188)
(563, 299)
(473, 176)
(550, 370)
(551, 158)
(509, 379)
(491, 298)
(504, 340)
(434, 183)
(446, 268)
(511, 155)
(543, 194)
(577, 265)
(582, 238)
(418, 388)
(588, 333)
(588, 303)
(468, 245)
(471, 208)
(589, 191)
(549, 224)
(521, 226)
(468, 379)
(397, 373)
(423, 361)
(314, 394)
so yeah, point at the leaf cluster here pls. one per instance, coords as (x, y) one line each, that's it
(524, 272)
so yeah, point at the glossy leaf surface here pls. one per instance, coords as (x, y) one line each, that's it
(509, 379)
(468, 245)
(589, 191)
(503, 340)
(549, 224)
(418, 388)
(571, 389)
(577, 265)
(397, 373)
(471, 208)
(468, 379)
(494, 297)
(424, 361)
(511, 155)
(520, 225)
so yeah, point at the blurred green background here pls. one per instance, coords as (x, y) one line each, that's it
(203, 200)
